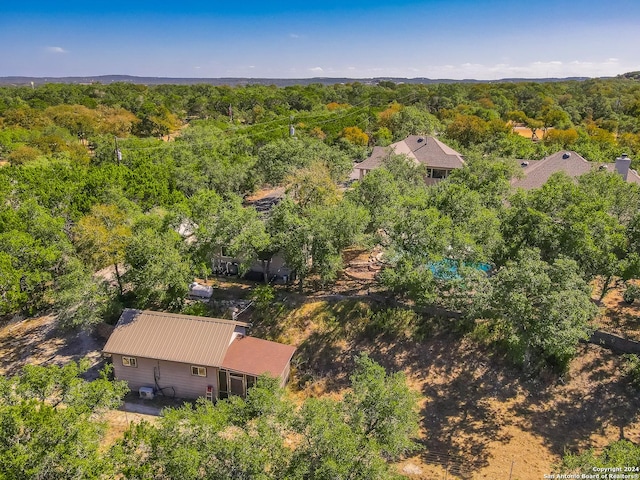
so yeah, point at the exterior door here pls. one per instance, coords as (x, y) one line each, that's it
(237, 385)
(223, 389)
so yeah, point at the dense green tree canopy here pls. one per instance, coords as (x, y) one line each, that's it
(539, 310)
(50, 423)
(118, 195)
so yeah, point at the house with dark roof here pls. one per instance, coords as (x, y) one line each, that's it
(189, 357)
(438, 158)
(537, 172)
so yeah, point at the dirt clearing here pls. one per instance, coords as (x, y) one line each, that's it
(37, 341)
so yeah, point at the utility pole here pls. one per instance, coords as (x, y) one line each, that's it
(292, 129)
(117, 151)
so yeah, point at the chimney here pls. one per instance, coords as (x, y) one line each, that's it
(622, 165)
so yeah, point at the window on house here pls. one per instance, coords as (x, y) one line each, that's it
(129, 361)
(437, 173)
(199, 371)
(251, 381)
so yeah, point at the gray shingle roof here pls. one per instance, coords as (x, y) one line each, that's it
(378, 155)
(428, 151)
(538, 172)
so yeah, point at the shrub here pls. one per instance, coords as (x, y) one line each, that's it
(392, 322)
(631, 293)
(198, 309)
(632, 369)
(263, 296)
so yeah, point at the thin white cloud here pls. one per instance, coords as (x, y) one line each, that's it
(316, 69)
(56, 50)
(534, 69)
(294, 35)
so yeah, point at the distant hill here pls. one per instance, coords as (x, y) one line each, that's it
(630, 75)
(232, 81)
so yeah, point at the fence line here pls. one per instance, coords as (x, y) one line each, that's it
(454, 466)
(459, 467)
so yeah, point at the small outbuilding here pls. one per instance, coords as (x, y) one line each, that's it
(189, 357)
(198, 291)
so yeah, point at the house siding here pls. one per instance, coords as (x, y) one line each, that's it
(171, 374)
(284, 378)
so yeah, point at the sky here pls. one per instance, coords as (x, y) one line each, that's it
(439, 39)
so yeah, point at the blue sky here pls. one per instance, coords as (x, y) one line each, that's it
(286, 39)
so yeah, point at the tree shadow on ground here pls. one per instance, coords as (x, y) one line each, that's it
(456, 378)
(458, 381)
(320, 357)
(474, 399)
(322, 330)
(595, 399)
(39, 341)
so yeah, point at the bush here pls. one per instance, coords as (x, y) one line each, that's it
(263, 296)
(631, 293)
(198, 309)
(392, 323)
(266, 308)
(632, 369)
(619, 454)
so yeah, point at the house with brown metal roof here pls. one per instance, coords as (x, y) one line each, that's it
(537, 172)
(189, 357)
(438, 158)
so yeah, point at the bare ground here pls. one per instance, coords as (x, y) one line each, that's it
(37, 341)
(480, 417)
(618, 317)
